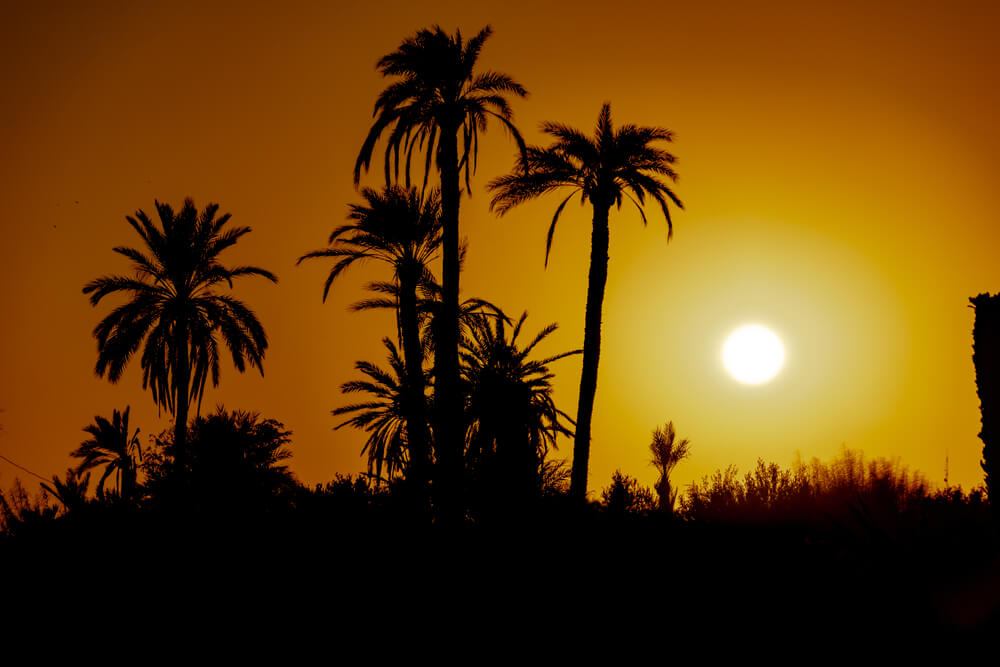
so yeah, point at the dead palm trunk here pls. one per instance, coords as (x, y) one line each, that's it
(596, 281)
(986, 359)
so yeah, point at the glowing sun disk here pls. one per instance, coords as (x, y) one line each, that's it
(753, 354)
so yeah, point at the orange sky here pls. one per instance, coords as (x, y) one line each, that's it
(837, 162)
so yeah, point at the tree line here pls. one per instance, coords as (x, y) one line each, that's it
(462, 411)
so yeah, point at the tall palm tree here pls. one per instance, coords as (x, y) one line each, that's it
(437, 97)
(604, 170)
(113, 446)
(383, 416)
(399, 227)
(175, 308)
(667, 451)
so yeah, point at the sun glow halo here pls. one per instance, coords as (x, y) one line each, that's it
(753, 354)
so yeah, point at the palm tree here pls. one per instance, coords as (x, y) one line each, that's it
(667, 452)
(113, 446)
(512, 419)
(510, 410)
(396, 226)
(72, 493)
(438, 96)
(175, 309)
(613, 166)
(384, 416)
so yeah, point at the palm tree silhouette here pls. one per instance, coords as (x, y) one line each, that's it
(72, 493)
(113, 446)
(175, 309)
(438, 96)
(508, 394)
(383, 417)
(396, 226)
(512, 417)
(613, 166)
(667, 452)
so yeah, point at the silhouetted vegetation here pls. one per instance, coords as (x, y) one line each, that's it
(466, 490)
(175, 309)
(511, 418)
(437, 96)
(235, 465)
(625, 496)
(19, 513)
(113, 446)
(667, 451)
(400, 228)
(382, 416)
(613, 166)
(986, 358)
(847, 488)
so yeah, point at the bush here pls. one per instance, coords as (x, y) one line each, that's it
(625, 496)
(848, 486)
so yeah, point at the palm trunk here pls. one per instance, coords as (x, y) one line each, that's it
(447, 406)
(126, 483)
(417, 433)
(182, 378)
(986, 359)
(596, 282)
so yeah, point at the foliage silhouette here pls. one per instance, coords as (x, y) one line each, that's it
(512, 417)
(72, 492)
(19, 513)
(113, 446)
(383, 417)
(986, 359)
(436, 96)
(612, 166)
(667, 452)
(848, 489)
(235, 465)
(400, 228)
(625, 496)
(174, 307)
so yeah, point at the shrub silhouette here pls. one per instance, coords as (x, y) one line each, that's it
(235, 465)
(19, 514)
(625, 496)
(847, 488)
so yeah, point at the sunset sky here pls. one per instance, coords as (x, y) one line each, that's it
(837, 160)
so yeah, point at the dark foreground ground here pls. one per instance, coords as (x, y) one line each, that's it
(579, 576)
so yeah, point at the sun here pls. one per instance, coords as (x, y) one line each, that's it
(753, 354)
